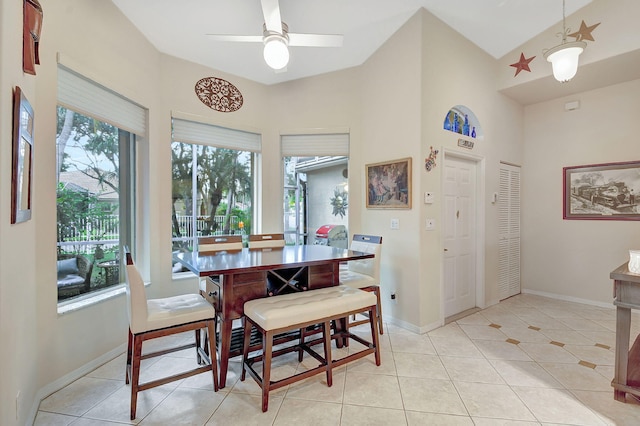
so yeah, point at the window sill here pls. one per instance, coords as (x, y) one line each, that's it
(106, 294)
(91, 299)
(187, 275)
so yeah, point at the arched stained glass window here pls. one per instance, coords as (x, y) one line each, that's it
(460, 119)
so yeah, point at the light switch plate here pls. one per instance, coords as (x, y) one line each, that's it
(430, 224)
(428, 197)
(395, 223)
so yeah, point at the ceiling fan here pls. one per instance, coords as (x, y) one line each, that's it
(277, 38)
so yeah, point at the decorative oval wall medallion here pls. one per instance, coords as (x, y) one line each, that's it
(219, 94)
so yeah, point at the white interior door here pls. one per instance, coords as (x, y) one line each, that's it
(509, 232)
(459, 235)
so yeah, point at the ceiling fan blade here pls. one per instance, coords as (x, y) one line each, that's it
(271, 12)
(315, 40)
(229, 37)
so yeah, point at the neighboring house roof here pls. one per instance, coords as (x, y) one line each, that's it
(79, 181)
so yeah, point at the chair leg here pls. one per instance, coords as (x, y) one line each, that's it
(211, 335)
(267, 347)
(206, 336)
(246, 341)
(326, 333)
(379, 309)
(344, 328)
(374, 333)
(135, 372)
(198, 357)
(300, 350)
(127, 369)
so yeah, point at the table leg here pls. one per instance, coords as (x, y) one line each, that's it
(226, 327)
(623, 324)
(341, 325)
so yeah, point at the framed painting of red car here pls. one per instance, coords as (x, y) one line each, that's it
(602, 191)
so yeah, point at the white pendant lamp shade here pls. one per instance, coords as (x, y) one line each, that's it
(276, 52)
(564, 59)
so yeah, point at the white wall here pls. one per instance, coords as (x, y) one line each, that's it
(464, 77)
(573, 258)
(408, 86)
(392, 106)
(391, 125)
(178, 79)
(123, 61)
(18, 312)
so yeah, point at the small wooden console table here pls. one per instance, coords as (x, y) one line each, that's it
(626, 296)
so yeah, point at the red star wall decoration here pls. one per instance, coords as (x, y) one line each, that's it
(584, 33)
(522, 64)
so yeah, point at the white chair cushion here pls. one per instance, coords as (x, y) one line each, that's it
(176, 310)
(366, 266)
(287, 310)
(356, 280)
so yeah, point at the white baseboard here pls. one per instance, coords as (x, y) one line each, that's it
(411, 327)
(71, 377)
(569, 298)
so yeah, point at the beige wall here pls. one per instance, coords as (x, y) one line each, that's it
(391, 129)
(392, 106)
(464, 77)
(611, 58)
(573, 258)
(18, 313)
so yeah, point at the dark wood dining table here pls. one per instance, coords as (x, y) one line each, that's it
(235, 277)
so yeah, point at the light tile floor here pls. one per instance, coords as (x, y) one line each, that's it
(529, 360)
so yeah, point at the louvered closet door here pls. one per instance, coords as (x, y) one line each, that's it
(509, 231)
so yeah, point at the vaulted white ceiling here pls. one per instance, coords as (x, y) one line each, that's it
(179, 28)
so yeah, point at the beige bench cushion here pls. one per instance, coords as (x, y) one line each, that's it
(298, 308)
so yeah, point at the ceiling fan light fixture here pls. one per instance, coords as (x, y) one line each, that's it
(276, 51)
(564, 59)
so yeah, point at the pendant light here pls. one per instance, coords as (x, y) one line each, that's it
(564, 57)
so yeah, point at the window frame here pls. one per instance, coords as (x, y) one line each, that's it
(255, 158)
(91, 99)
(196, 133)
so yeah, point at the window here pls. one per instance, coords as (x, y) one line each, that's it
(213, 190)
(316, 191)
(95, 145)
(90, 204)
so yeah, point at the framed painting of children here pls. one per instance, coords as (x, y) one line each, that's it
(389, 184)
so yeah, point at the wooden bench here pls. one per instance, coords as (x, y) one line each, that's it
(297, 311)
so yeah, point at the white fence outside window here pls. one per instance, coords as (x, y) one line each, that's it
(106, 232)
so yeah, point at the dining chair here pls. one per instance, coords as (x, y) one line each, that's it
(266, 241)
(220, 243)
(155, 318)
(216, 244)
(365, 273)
